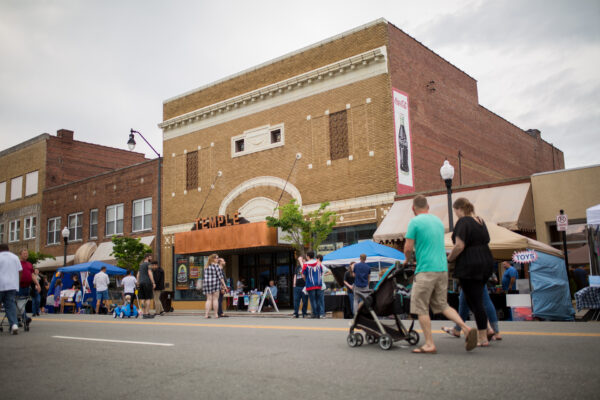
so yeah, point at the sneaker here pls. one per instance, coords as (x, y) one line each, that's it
(15, 329)
(162, 313)
(295, 316)
(147, 316)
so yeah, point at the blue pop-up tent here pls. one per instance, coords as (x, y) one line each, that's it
(377, 255)
(87, 271)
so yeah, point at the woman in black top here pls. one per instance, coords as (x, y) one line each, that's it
(474, 261)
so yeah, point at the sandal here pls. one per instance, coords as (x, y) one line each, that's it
(484, 344)
(490, 335)
(471, 341)
(451, 331)
(421, 350)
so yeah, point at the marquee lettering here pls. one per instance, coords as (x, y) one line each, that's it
(217, 221)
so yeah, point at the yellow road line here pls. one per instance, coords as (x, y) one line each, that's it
(288, 328)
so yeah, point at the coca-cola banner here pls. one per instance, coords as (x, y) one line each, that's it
(404, 167)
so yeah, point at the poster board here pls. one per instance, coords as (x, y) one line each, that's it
(253, 305)
(266, 293)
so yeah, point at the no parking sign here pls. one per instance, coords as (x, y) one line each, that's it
(562, 222)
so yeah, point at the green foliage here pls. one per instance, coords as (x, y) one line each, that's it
(36, 256)
(304, 230)
(129, 252)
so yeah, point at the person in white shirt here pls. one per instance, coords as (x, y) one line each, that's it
(10, 268)
(101, 282)
(129, 283)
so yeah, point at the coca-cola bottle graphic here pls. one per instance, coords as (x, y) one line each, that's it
(403, 144)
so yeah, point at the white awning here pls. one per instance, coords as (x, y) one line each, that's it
(510, 206)
(49, 264)
(104, 250)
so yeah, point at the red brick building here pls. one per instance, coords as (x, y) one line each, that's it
(45, 161)
(118, 202)
(356, 120)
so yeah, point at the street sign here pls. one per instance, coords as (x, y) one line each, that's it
(562, 222)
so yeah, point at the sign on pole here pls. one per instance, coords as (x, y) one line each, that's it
(562, 222)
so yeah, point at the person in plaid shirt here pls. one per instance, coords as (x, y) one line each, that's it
(212, 284)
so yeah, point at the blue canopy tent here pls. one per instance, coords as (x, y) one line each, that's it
(89, 269)
(377, 254)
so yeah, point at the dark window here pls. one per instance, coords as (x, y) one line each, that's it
(276, 136)
(191, 177)
(338, 135)
(239, 145)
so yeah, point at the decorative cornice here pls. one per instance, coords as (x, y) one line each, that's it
(370, 63)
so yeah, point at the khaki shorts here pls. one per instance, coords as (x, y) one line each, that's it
(430, 289)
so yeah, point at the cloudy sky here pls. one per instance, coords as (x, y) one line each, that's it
(102, 67)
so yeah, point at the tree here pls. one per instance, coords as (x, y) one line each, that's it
(304, 230)
(36, 256)
(129, 252)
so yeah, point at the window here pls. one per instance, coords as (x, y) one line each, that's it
(2, 192)
(338, 135)
(31, 183)
(54, 230)
(16, 188)
(275, 136)
(239, 145)
(142, 215)
(191, 176)
(30, 227)
(114, 220)
(14, 231)
(94, 224)
(75, 226)
(1, 233)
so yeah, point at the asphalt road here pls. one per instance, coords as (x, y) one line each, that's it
(264, 358)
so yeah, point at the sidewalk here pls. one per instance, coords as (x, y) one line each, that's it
(286, 313)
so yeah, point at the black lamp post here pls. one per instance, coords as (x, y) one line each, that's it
(131, 144)
(65, 235)
(447, 173)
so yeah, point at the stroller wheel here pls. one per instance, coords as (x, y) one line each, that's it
(370, 339)
(359, 339)
(413, 337)
(26, 327)
(351, 340)
(385, 342)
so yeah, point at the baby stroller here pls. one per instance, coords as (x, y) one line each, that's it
(389, 298)
(21, 304)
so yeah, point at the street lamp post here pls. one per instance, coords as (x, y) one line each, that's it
(131, 144)
(65, 235)
(447, 173)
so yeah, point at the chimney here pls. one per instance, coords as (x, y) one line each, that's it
(534, 133)
(65, 134)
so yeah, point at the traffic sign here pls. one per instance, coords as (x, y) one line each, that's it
(562, 222)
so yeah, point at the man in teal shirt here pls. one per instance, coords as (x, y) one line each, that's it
(425, 236)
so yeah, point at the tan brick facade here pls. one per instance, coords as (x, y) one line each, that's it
(445, 118)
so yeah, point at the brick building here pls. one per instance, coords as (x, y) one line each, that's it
(117, 202)
(27, 169)
(355, 120)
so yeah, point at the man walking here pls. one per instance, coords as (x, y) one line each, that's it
(146, 284)
(313, 275)
(101, 282)
(425, 236)
(10, 267)
(362, 271)
(159, 281)
(26, 280)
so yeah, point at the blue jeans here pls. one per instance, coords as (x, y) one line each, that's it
(351, 299)
(7, 297)
(322, 303)
(24, 292)
(315, 302)
(35, 306)
(490, 310)
(299, 295)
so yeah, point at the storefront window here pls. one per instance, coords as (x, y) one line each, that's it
(189, 270)
(345, 236)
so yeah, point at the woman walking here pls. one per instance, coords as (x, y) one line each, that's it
(212, 285)
(474, 261)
